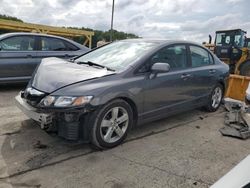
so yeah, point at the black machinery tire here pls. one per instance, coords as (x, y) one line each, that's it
(245, 69)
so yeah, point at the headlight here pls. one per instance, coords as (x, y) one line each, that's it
(65, 101)
(47, 101)
(72, 101)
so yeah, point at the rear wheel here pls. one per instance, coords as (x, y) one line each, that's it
(111, 124)
(215, 98)
(245, 69)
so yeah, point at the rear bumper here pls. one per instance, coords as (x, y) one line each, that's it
(42, 118)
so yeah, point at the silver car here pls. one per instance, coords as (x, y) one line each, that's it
(20, 53)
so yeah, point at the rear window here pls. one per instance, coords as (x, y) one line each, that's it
(52, 44)
(70, 46)
(200, 56)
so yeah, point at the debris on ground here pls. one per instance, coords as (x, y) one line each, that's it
(237, 119)
(39, 145)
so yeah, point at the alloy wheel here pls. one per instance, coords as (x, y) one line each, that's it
(216, 97)
(114, 124)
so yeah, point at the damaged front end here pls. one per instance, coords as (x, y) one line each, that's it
(58, 96)
(62, 114)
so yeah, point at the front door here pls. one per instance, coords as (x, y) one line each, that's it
(17, 57)
(168, 92)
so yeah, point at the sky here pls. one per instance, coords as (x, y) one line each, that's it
(190, 20)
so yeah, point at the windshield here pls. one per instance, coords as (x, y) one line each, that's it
(118, 55)
(225, 39)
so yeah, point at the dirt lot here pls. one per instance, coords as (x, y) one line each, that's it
(182, 151)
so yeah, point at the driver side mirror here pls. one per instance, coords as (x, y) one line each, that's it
(160, 67)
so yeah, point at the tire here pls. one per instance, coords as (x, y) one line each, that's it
(245, 69)
(215, 98)
(111, 124)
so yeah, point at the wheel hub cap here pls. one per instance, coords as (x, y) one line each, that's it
(216, 97)
(114, 124)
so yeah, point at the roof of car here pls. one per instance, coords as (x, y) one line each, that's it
(40, 34)
(161, 41)
(27, 33)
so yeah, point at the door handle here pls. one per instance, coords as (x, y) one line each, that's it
(66, 55)
(212, 71)
(185, 76)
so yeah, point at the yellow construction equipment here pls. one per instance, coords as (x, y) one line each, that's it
(38, 28)
(232, 47)
(237, 86)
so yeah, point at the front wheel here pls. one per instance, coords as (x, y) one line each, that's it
(215, 98)
(111, 124)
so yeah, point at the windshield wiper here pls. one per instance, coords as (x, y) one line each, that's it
(90, 63)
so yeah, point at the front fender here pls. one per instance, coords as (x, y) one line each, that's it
(101, 100)
(109, 88)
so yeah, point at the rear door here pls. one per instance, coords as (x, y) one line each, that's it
(203, 70)
(55, 47)
(18, 56)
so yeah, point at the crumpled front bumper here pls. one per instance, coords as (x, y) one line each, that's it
(42, 118)
(70, 124)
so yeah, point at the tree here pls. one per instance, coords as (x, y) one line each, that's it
(104, 35)
(3, 16)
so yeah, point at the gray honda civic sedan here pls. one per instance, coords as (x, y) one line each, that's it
(99, 96)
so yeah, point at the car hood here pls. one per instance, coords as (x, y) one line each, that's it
(54, 73)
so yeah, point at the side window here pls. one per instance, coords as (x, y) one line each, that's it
(200, 56)
(248, 44)
(19, 43)
(52, 44)
(175, 56)
(237, 40)
(70, 46)
(227, 40)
